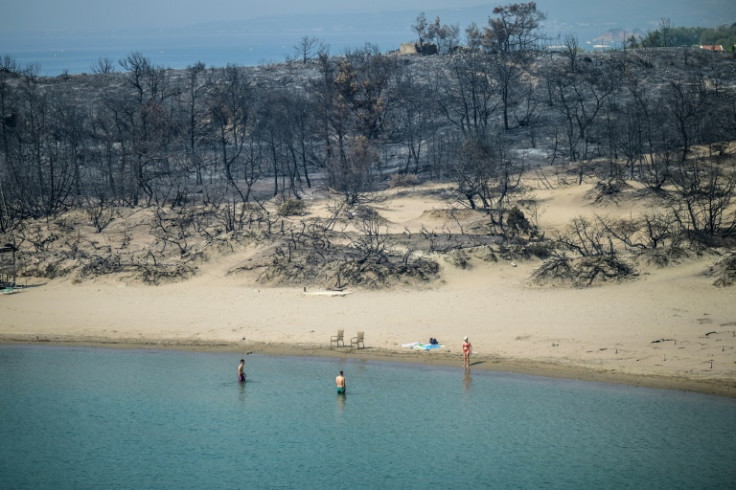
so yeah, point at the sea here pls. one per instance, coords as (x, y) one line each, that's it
(54, 55)
(91, 418)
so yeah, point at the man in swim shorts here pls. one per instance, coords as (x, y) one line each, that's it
(241, 371)
(340, 382)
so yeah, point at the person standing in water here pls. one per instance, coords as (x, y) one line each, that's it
(340, 382)
(467, 350)
(241, 371)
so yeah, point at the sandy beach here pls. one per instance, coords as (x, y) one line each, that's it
(659, 331)
(670, 327)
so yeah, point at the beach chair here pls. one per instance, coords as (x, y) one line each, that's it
(337, 339)
(357, 341)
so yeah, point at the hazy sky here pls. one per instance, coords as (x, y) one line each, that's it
(28, 15)
(23, 15)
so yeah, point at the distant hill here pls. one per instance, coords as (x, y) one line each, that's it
(614, 37)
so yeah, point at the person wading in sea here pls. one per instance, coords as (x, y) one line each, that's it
(340, 382)
(241, 371)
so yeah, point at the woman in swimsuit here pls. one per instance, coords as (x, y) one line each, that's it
(467, 350)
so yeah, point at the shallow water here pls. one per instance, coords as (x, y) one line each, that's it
(99, 418)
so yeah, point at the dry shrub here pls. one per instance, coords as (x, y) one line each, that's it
(403, 180)
(485, 253)
(665, 256)
(102, 265)
(724, 271)
(157, 273)
(583, 271)
(366, 213)
(516, 220)
(50, 267)
(340, 267)
(459, 258)
(522, 250)
(453, 214)
(292, 207)
(608, 190)
(386, 274)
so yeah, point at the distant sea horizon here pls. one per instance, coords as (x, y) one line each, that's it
(54, 55)
(248, 42)
(264, 40)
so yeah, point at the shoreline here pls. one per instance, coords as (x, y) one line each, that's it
(669, 327)
(483, 362)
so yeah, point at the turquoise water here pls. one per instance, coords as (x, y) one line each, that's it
(99, 418)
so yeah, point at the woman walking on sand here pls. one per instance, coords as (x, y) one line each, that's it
(467, 350)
